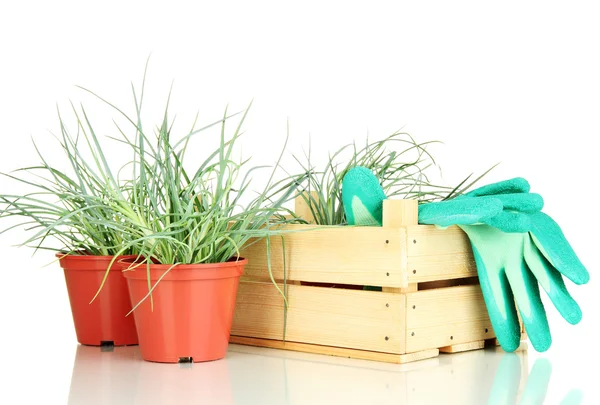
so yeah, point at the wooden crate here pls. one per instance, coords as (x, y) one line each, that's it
(431, 301)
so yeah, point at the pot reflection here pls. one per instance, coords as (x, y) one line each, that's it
(104, 375)
(186, 383)
(118, 375)
(249, 375)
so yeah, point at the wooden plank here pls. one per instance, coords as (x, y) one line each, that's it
(438, 254)
(336, 351)
(411, 288)
(399, 213)
(463, 347)
(302, 209)
(364, 320)
(522, 346)
(333, 254)
(417, 356)
(445, 317)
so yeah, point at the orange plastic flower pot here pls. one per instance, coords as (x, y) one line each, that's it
(104, 320)
(192, 311)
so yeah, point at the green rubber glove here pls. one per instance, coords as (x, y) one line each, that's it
(510, 266)
(363, 197)
(545, 232)
(511, 263)
(515, 247)
(499, 205)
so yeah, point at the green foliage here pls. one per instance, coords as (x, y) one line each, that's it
(398, 161)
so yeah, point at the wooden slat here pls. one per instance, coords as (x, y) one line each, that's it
(336, 351)
(333, 254)
(324, 316)
(303, 210)
(438, 254)
(445, 317)
(463, 347)
(522, 346)
(398, 213)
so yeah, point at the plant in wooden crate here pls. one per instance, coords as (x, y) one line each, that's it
(400, 162)
(429, 274)
(75, 211)
(429, 300)
(187, 231)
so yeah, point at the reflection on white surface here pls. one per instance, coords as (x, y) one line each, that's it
(250, 375)
(505, 390)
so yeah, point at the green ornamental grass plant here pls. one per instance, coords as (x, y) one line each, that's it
(398, 160)
(153, 206)
(73, 211)
(174, 215)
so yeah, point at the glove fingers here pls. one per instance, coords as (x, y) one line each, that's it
(500, 304)
(516, 185)
(527, 294)
(510, 222)
(524, 202)
(551, 241)
(552, 282)
(458, 212)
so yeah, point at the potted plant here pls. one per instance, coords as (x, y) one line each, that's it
(68, 212)
(187, 227)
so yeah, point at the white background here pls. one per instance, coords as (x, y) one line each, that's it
(510, 82)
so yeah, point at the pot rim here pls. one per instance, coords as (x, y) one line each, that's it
(63, 255)
(126, 262)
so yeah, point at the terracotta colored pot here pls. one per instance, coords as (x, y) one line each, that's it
(192, 313)
(104, 320)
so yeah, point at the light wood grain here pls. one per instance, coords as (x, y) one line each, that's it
(302, 209)
(463, 347)
(398, 213)
(438, 254)
(336, 351)
(445, 317)
(333, 254)
(522, 346)
(364, 320)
